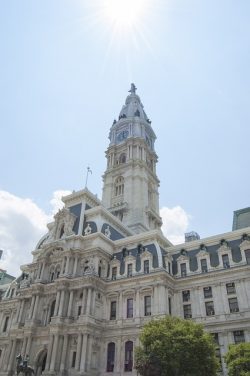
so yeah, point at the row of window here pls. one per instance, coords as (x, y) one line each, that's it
(130, 269)
(111, 353)
(204, 266)
(128, 359)
(209, 306)
(208, 293)
(130, 308)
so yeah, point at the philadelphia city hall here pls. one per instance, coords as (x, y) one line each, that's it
(104, 269)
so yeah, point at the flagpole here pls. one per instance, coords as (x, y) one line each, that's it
(88, 171)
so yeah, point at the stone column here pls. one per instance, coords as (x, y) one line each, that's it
(28, 346)
(89, 301)
(75, 265)
(84, 293)
(120, 306)
(64, 352)
(137, 303)
(71, 296)
(35, 307)
(54, 353)
(7, 355)
(20, 313)
(92, 311)
(32, 306)
(118, 356)
(242, 296)
(12, 354)
(50, 346)
(24, 345)
(60, 312)
(78, 351)
(42, 271)
(89, 352)
(57, 302)
(156, 301)
(67, 265)
(167, 303)
(84, 353)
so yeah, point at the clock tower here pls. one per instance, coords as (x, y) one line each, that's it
(130, 189)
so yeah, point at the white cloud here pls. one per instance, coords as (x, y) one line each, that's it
(22, 224)
(175, 223)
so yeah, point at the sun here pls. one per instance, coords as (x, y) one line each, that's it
(124, 14)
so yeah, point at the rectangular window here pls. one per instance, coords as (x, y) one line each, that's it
(169, 307)
(239, 336)
(147, 305)
(146, 266)
(208, 292)
(230, 288)
(6, 323)
(114, 272)
(225, 261)
(79, 310)
(169, 267)
(130, 266)
(204, 265)
(129, 308)
(183, 270)
(209, 308)
(233, 305)
(73, 363)
(187, 311)
(113, 311)
(186, 296)
(247, 253)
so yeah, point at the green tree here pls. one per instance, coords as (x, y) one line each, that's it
(175, 347)
(238, 360)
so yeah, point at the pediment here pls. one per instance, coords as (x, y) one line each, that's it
(245, 245)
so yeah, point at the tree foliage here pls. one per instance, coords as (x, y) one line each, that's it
(175, 347)
(238, 360)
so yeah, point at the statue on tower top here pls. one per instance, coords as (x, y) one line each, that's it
(133, 89)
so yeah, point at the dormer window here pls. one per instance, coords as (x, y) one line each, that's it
(225, 261)
(183, 267)
(129, 271)
(114, 272)
(247, 253)
(204, 265)
(146, 266)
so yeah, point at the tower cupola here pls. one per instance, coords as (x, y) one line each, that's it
(130, 189)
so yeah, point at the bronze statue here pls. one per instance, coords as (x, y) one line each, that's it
(22, 365)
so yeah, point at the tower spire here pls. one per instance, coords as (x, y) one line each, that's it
(130, 189)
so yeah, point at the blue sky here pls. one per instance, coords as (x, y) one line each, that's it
(64, 76)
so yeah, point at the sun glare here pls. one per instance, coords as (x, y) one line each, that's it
(124, 14)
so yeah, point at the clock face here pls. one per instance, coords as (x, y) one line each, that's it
(122, 135)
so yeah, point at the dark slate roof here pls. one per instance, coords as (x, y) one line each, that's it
(136, 253)
(213, 252)
(115, 235)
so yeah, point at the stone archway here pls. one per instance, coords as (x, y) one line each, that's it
(41, 362)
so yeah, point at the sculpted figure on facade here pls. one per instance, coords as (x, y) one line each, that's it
(107, 232)
(88, 230)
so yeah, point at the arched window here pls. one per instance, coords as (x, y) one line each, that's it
(128, 364)
(122, 158)
(61, 232)
(111, 357)
(119, 186)
(52, 310)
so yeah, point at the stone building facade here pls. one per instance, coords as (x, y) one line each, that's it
(104, 269)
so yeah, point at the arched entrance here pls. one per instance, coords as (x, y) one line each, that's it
(41, 363)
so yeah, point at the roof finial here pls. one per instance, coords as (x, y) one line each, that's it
(133, 89)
